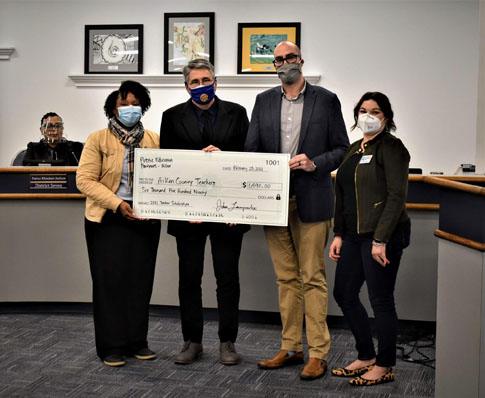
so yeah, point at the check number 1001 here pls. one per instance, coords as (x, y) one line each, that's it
(272, 162)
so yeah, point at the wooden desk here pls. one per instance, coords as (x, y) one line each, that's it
(44, 256)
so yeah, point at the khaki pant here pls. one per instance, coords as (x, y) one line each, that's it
(297, 253)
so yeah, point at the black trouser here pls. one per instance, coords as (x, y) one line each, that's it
(122, 256)
(226, 248)
(355, 266)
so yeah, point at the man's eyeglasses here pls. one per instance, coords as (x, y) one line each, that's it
(56, 126)
(290, 58)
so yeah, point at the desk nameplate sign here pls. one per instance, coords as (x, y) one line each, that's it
(226, 187)
(48, 181)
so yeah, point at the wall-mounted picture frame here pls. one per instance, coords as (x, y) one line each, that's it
(113, 49)
(257, 41)
(187, 36)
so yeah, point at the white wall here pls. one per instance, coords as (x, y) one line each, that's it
(480, 151)
(422, 54)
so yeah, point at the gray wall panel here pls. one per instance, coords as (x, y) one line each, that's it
(44, 258)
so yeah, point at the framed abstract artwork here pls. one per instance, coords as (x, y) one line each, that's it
(257, 41)
(113, 49)
(187, 36)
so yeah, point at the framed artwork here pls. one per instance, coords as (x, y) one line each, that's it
(257, 41)
(187, 36)
(113, 49)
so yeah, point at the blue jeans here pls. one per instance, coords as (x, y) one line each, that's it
(355, 266)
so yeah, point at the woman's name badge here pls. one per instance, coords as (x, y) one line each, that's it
(365, 159)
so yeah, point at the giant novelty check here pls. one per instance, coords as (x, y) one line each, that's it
(227, 187)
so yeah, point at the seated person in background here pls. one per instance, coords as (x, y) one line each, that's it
(53, 148)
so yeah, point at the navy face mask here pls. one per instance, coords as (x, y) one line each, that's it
(203, 94)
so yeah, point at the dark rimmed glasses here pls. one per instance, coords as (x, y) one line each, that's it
(290, 59)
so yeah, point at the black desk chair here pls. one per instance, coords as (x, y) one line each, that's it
(17, 160)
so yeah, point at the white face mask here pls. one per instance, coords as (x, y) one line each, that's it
(368, 124)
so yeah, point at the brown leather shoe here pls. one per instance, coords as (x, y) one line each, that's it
(314, 369)
(281, 359)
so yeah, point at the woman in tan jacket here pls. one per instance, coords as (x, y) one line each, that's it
(122, 248)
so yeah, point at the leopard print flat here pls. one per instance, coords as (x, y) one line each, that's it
(386, 378)
(342, 372)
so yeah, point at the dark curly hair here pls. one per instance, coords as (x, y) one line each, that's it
(140, 92)
(48, 114)
(383, 103)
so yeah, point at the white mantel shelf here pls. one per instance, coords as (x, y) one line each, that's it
(176, 81)
(5, 53)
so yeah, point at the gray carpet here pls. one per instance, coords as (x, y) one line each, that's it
(53, 356)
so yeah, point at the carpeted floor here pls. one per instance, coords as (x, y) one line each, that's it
(52, 355)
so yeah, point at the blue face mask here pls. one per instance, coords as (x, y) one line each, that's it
(203, 94)
(129, 115)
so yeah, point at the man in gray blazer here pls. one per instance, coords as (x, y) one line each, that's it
(306, 122)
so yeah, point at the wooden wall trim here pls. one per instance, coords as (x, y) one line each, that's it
(42, 196)
(460, 240)
(474, 178)
(459, 186)
(37, 170)
(422, 178)
(464, 178)
(423, 206)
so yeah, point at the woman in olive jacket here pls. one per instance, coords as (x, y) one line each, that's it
(371, 230)
(122, 248)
